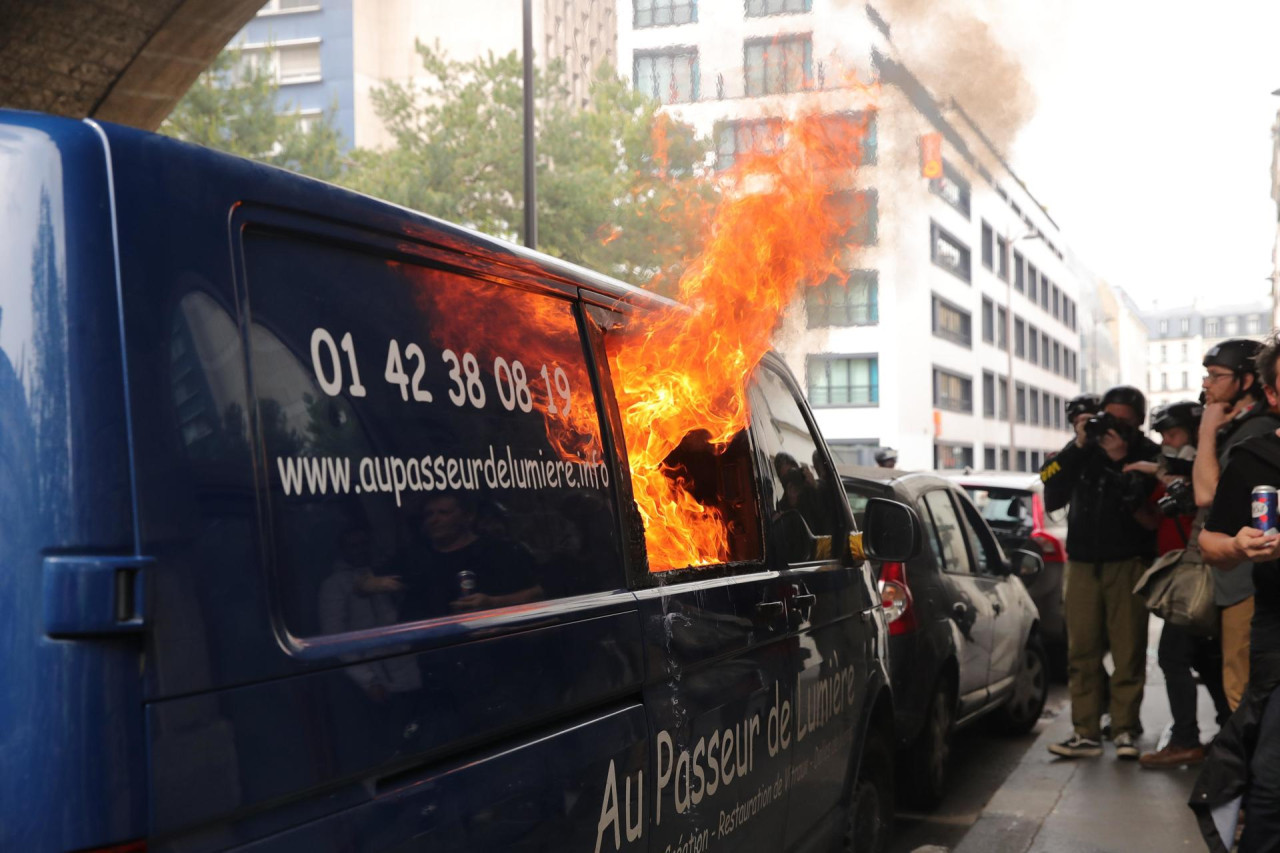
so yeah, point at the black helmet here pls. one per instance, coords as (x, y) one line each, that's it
(1236, 355)
(1127, 395)
(886, 454)
(1083, 404)
(1185, 414)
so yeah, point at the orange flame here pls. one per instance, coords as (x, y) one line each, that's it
(677, 372)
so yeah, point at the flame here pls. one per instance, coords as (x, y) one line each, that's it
(680, 371)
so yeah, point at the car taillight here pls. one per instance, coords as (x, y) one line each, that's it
(1050, 547)
(895, 595)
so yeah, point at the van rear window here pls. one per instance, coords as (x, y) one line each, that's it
(430, 442)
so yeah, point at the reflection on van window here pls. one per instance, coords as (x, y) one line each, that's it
(804, 492)
(431, 442)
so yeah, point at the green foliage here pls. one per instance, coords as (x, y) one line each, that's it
(232, 107)
(621, 188)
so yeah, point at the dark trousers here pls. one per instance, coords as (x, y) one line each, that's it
(1262, 799)
(1180, 653)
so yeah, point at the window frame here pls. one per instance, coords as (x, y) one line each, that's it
(964, 268)
(781, 41)
(673, 52)
(816, 359)
(964, 338)
(671, 5)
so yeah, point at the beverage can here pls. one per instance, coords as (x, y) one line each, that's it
(467, 579)
(1263, 506)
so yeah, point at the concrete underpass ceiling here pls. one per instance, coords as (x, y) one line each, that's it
(127, 61)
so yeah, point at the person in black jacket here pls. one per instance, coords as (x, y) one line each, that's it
(1244, 759)
(1111, 540)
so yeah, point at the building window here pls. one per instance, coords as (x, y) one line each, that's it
(948, 252)
(952, 188)
(1035, 460)
(1164, 381)
(854, 131)
(778, 65)
(287, 64)
(1002, 258)
(1002, 398)
(1057, 358)
(1185, 325)
(951, 322)
(952, 456)
(1046, 359)
(668, 76)
(1164, 327)
(1045, 284)
(1019, 273)
(758, 8)
(1184, 351)
(858, 214)
(1058, 412)
(1164, 353)
(952, 392)
(662, 13)
(1057, 303)
(1185, 386)
(1210, 328)
(854, 451)
(988, 394)
(989, 458)
(280, 7)
(988, 247)
(1002, 329)
(1019, 334)
(1004, 459)
(1022, 460)
(1020, 402)
(1046, 403)
(1033, 344)
(1033, 283)
(843, 381)
(1230, 327)
(1034, 406)
(988, 321)
(735, 138)
(1255, 325)
(844, 301)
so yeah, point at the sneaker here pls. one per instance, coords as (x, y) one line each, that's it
(1171, 756)
(1125, 747)
(1077, 747)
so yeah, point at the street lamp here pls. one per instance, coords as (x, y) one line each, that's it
(1008, 339)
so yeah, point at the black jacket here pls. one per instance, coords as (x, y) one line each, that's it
(1101, 526)
(1225, 773)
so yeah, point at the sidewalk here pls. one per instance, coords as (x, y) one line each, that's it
(1100, 805)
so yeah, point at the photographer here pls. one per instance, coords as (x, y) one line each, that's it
(1181, 650)
(1110, 540)
(1244, 759)
(1235, 410)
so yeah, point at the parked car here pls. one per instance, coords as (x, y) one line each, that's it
(262, 592)
(1013, 506)
(964, 635)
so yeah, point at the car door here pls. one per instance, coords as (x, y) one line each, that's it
(831, 601)
(967, 600)
(992, 576)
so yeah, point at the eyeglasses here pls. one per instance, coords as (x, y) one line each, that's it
(1214, 377)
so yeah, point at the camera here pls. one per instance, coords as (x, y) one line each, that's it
(1098, 425)
(1083, 404)
(1179, 499)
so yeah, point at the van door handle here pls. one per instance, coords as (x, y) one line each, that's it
(770, 609)
(806, 599)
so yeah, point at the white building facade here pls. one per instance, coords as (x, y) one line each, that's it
(1179, 338)
(954, 336)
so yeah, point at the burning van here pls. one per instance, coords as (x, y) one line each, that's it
(323, 532)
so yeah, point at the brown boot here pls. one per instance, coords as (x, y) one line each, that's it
(1172, 756)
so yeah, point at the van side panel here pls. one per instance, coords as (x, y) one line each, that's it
(71, 731)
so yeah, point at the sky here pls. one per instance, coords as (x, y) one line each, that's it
(1151, 141)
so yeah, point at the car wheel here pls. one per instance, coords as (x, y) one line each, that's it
(869, 822)
(925, 780)
(1030, 690)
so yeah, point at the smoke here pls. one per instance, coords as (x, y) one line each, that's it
(957, 54)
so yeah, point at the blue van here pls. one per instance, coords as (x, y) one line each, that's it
(318, 536)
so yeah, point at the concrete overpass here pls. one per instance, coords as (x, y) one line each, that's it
(127, 61)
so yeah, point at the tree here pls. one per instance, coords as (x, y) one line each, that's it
(621, 187)
(232, 107)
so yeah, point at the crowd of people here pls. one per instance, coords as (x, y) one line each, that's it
(1136, 508)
